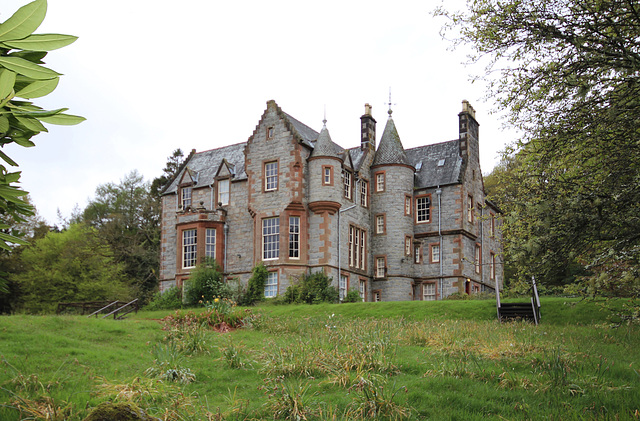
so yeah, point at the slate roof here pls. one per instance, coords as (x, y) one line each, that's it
(324, 146)
(390, 150)
(357, 155)
(206, 165)
(307, 134)
(425, 160)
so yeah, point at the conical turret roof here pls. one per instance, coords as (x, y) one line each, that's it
(324, 146)
(390, 150)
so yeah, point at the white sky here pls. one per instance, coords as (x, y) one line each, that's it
(153, 76)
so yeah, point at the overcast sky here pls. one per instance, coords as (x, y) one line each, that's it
(153, 76)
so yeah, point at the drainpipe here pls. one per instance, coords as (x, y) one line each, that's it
(482, 247)
(226, 241)
(355, 199)
(439, 193)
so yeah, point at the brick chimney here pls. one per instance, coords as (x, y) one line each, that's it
(367, 130)
(468, 128)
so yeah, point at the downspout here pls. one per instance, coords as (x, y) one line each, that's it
(339, 231)
(439, 193)
(226, 241)
(482, 247)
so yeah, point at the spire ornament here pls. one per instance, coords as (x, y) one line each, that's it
(390, 104)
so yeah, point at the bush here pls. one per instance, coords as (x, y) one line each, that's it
(353, 296)
(171, 299)
(312, 289)
(205, 282)
(255, 290)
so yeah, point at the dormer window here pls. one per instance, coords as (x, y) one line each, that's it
(185, 196)
(223, 192)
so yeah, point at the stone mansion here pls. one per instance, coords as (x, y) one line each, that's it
(391, 223)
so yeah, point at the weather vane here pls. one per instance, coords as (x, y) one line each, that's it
(389, 103)
(324, 122)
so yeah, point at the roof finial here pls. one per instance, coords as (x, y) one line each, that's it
(324, 122)
(389, 103)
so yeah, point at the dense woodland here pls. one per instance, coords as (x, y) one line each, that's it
(108, 250)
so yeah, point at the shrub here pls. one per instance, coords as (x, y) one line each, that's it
(205, 282)
(353, 296)
(255, 290)
(312, 289)
(171, 299)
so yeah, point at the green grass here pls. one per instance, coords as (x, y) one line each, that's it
(417, 360)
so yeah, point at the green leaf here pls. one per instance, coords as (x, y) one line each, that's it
(23, 141)
(10, 239)
(32, 56)
(42, 42)
(64, 119)
(7, 80)
(27, 68)
(24, 21)
(4, 124)
(8, 160)
(38, 89)
(31, 124)
(38, 113)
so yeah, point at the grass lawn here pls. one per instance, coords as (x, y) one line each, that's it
(410, 360)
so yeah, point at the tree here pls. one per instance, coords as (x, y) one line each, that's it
(170, 170)
(22, 76)
(73, 265)
(127, 217)
(569, 75)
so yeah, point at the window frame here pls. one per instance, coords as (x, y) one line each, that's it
(208, 245)
(269, 285)
(407, 204)
(219, 183)
(381, 224)
(377, 295)
(363, 290)
(424, 291)
(417, 253)
(470, 209)
(381, 270)
(273, 236)
(432, 247)
(184, 189)
(364, 193)
(477, 259)
(408, 245)
(326, 182)
(343, 290)
(271, 131)
(347, 184)
(193, 248)
(381, 181)
(296, 237)
(421, 197)
(356, 247)
(269, 177)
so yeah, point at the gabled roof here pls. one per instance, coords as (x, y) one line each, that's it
(207, 163)
(438, 164)
(390, 150)
(357, 155)
(305, 133)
